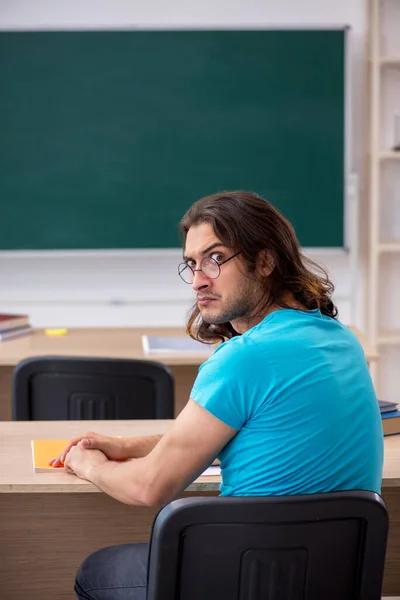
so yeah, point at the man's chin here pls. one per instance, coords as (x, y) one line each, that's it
(212, 318)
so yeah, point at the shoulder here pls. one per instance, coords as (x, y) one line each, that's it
(234, 381)
(237, 352)
(241, 361)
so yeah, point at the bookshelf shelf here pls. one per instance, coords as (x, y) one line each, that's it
(389, 338)
(389, 155)
(390, 61)
(389, 246)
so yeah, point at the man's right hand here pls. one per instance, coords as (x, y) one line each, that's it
(113, 448)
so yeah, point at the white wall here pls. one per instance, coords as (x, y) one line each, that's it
(139, 287)
(142, 287)
(102, 13)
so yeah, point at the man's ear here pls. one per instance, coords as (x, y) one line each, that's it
(265, 263)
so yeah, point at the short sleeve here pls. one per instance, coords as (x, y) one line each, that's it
(235, 382)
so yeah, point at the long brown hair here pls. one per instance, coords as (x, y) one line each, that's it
(245, 222)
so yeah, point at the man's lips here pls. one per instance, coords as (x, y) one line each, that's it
(203, 300)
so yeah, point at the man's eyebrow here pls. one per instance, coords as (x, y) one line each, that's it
(207, 250)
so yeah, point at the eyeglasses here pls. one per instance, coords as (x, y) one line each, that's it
(209, 266)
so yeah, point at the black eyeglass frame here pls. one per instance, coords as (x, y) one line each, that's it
(184, 265)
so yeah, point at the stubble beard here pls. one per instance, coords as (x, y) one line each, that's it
(240, 307)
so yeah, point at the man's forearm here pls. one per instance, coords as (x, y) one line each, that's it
(122, 482)
(142, 446)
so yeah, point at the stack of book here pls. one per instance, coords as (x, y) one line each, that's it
(12, 326)
(390, 417)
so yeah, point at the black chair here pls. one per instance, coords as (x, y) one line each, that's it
(318, 547)
(51, 388)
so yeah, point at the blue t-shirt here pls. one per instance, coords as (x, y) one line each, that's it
(298, 390)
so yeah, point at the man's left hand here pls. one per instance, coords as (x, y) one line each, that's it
(81, 461)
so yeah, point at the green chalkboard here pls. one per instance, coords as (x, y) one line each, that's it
(107, 137)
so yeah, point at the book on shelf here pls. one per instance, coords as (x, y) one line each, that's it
(45, 450)
(153, 344)
(386, 406)
(391, 422)
(9, 321)
(9, 334)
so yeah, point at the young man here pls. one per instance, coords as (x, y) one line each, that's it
(285, 401)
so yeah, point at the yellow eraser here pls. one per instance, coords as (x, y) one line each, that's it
(59, 331)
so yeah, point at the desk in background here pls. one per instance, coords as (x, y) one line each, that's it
(49, 522)
(102, 342)
(111, 343)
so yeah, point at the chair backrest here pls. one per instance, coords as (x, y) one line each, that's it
(317, 547)
(58, 388)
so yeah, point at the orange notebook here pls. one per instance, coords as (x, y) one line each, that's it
(45, 450)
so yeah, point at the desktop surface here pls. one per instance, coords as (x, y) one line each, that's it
(107, 342)
(16, 469)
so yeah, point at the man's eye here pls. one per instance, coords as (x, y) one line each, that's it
(217, 256)
(191, 264)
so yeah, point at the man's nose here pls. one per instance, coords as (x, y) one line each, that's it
(199, 280)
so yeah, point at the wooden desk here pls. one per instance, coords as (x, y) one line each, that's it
(49, 522)
(108, 342)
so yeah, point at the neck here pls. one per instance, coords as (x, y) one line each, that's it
(245, 323)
